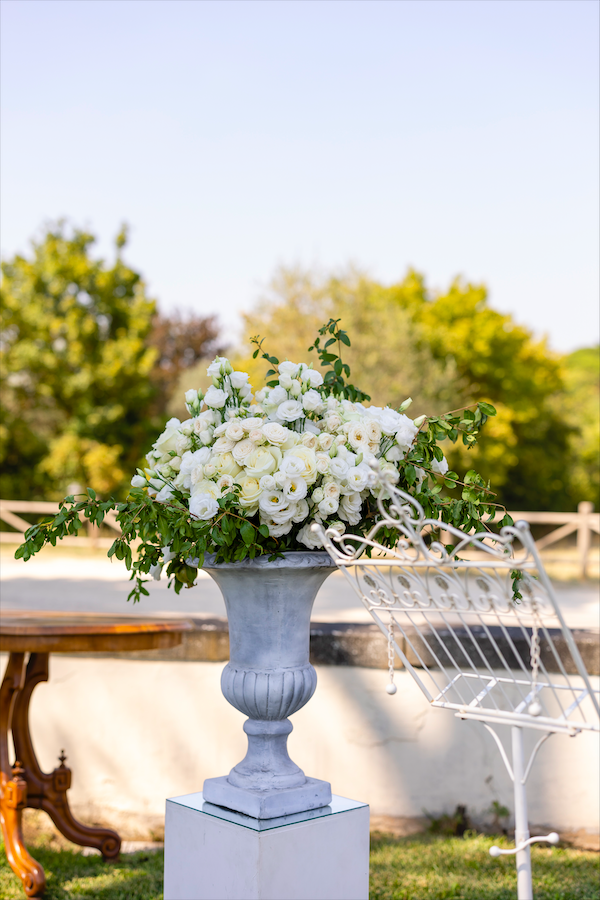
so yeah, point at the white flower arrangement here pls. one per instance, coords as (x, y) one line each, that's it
(249, 473)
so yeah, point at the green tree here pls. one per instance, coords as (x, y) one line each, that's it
(580, 407)
(445, 350)
(75, 368)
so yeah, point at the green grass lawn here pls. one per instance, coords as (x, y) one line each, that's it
(420, 867)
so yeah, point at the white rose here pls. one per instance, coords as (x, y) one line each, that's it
(167, 440)
(225, 464)
(223, 445)
(325, 440)
(138, 481)
(256, 436)
(191, 460)
(312, 401)
(238, 379)
(359, 477)
(250, 491)
(234, 430)
(290, 410)
(242, 450)
(308, 538)
(373, 431)
(203, 506)
(208, 488)
(224, 483)
(323, 461)
(288, 368)
(358, 435)
(210, 468)
(317, 495)
(175, 463)
(309, 440)
(182, 443)
(197, 475)
(331, 489)
(333, 422)
(309, 459)
(275, 433)
(215, 398)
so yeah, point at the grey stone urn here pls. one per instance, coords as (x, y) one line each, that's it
(269, 677)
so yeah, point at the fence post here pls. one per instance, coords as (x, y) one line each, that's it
(584, 535)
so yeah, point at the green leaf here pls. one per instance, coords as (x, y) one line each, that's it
(487, 408)
(247, 533)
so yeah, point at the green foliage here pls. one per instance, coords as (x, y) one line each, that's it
(452, 349)
(75, 368)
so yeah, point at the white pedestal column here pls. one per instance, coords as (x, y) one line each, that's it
(212, 853)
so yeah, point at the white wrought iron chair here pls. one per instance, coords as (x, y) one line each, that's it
(452, 615)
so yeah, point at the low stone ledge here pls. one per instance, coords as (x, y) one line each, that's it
(363, 644)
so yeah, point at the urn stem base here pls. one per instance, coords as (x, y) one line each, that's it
(267, 765)
(313, 794)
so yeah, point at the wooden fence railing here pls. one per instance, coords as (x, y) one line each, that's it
(583, 522)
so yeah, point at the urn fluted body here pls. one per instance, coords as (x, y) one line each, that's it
(269, 677)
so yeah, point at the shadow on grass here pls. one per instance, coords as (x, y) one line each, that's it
(136, 876)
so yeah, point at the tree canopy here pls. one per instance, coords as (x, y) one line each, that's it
(445, 350)
(86, 366)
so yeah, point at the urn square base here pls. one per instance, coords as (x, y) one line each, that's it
(268, 804)
(213, 853)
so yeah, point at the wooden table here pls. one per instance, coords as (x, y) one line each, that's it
(23, 784)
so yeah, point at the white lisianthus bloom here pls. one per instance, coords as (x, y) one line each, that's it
(138, 481)
(406, 432)
(285, 381)
(164, 494)
(238, 379)
(191, 460)
(295, 488)
(242, 450)
(338, 526)
(391, 472)
(203, 506)
(191, 396)
(260, 395)
(155, 571)
(215, 398)
(196, 476)
(206, 436)
(250, 491)
(276, 530)
(288, 368)
(395, 453)
(338, 468)
(302, 511)
(175, 463)
(358, 435)
(234, 430)
(310, 540)
(210, 469)
(275, 433)
(272, 502)
(262, 461)
(290, 410)
(166, 442)
(187, 427)
(182, 443)
(328, 506)
(421, 475)
(315, 379)
(317, 495)
(441, 467)
(296, 388)
(216, 365)
(276, 396)
(223, 445)
(284, 515)
(312, 401)
(311, 427)
(388, 419)
(358, 477)
(350, 507)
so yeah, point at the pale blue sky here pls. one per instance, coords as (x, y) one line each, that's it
(456, 137)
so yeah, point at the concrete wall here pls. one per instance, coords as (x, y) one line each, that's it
(138, 731)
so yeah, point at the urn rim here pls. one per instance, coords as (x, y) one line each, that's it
(291, 559)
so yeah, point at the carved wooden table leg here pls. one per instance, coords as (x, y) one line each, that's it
(49, 791)
(13, 788)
